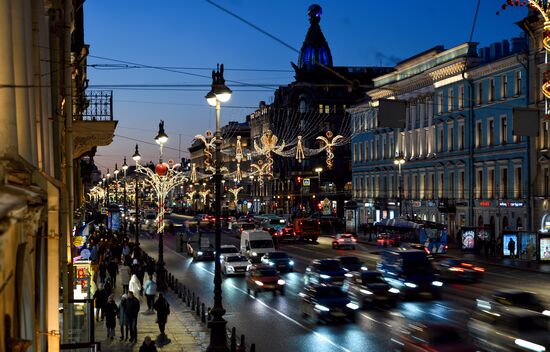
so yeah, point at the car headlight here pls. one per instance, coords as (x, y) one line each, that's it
(393, 290)
(322, 308)
(259, 283)
(230, 268)
(546, 312)
(352, 305)
(348, 275)
(254, 254)
(270, 263)
(365, 292)
(291, 262)
(364, 268)
(281, 282)
(324, 276)
(410, 284)
(529, 345)
(200, 253)
(437, 283)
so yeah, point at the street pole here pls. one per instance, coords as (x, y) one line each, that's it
(125, 223)
(136, 158)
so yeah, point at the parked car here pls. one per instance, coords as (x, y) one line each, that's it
(279, 260)
(352, 263)
(451, 269)
(326, 303)
(344, 240)
(511, 329)
(264, 278)
(324, 271)
(430, 337)
(234, 264)
(368, 288)
(502, 299)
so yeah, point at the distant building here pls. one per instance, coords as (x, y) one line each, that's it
(463, 166)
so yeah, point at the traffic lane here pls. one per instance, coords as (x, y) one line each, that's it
(256, 316)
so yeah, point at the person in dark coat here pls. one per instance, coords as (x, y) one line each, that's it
(102, 272)
(132, 310)
(112, 268)
(111, 312)
(100, 300)
(148, 345)
(122, 317)
(163, 309)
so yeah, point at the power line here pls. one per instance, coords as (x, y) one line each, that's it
(126, 66)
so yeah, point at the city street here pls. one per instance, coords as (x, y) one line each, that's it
(276, 322)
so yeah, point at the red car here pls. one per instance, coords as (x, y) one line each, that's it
(264, 278)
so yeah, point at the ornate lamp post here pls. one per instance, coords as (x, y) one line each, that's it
(137, 158)
(219, 93)
(124, 169)
(400, 160)
(108, 175)
(116, 183)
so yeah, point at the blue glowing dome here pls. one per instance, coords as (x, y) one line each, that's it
(315, 49)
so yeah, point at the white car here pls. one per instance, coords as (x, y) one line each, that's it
(228, 249)
(235, 264)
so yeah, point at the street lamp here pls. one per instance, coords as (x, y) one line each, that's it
(107, 185)
(137, 158)
(161, 138)
(116, 183)
(124, 168)
(400, 160)
(219, 93)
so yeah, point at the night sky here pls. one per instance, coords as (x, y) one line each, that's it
(184, 39)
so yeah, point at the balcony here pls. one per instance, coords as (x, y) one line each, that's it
(93, 123)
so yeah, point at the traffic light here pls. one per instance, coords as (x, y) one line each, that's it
(298, 180)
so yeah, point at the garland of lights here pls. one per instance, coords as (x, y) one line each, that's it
(329, 143)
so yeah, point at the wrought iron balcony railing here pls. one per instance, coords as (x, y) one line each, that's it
(96, 105)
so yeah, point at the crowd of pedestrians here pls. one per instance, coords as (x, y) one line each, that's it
(114, 256)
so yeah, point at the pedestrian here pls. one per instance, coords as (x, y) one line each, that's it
(150, 288)
(512, 247)
(135, 285)
(148, 345)
(111, 312)
(100, 300)
(132, 310)
(108, 287)
(163, 310)
(102, 272)
(125, 253)
(122, 317)
(125, 278)
(112, 268)
(136, 267)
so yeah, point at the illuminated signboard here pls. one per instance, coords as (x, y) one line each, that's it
(485, 203)
(511, 204)
(307, 182)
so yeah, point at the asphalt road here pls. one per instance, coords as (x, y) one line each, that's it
(273, 322)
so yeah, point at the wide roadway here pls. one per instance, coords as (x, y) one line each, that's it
(274, 323)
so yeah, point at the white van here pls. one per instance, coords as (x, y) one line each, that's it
(256, 243)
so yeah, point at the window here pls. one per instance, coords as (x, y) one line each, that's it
(355, 152)
(479, 97)
(491, 184)
(479, 183)
(461, 97)
(321, 108)
(478, 134)
(390, 187)
(450, 99)
(303, 108)
(327, 109)
(544, 135)
(431, 189)
(504, 183)
(451, 185)
(503, 87)
(415, 186)
(517, 183)
(491, 132)
(504, 130)
(360, 152)
(366, 151)
(518, 83)
(440, 138)
(440, 185)
(461, 184)
(461, 136)
(440, 103)
(546, 181)
(383, 147)
(451, 138)
(491, 90)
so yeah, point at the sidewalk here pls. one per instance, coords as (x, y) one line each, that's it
(519, 264)
(184, 329)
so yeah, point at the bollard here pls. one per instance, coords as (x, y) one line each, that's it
(179, 291)
(233, 340)
(176, 287)
(188, 298)
(198, 307)
(253, 347)
(203, 314)
(242, 346)
(209, 315)
(193, 302)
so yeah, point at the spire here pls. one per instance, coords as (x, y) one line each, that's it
(315, 49)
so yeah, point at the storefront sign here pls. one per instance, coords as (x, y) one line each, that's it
(545, 249)
(416, 203)
(391, 203)
(511, 204)
(485, 203)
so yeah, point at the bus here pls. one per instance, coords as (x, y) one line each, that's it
(395, 232)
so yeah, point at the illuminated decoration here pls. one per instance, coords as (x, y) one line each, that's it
(204, 195)
(238, 158)
(543, 7)
(269, 146)
(209, 142)
(261, 169)
(329, 143)
(161, 169)
(235, 192)
(300, 150)
(193, 175)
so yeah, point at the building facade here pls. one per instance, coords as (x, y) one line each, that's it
(460, 163)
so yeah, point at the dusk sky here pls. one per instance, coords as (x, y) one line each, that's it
(185, 39)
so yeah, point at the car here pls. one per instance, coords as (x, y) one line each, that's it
(243, 226)
(200, 217)
(368, 288)
(279, 260)
(351, 263)
(326, 303)
(260, 278)
(344, 240)
(246, 218)
(234, 264)
(286, 234)
(451, 269)
(226, 249)
(511, 329)
(429, 337)
(502, 299)
(324, 271)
